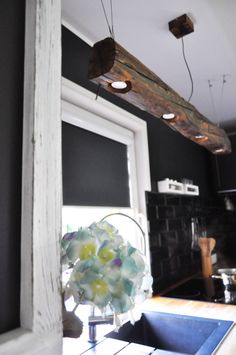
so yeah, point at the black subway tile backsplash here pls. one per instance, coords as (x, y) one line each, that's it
(152, 212)
(155, 200)
(170, 265)
(168, 238)
(170, 234)
(154, 241)
(158, 225)
(180, 211)
(165, 212)
(174, 224)
(173, 200)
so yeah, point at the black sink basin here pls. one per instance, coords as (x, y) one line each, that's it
(175, 333)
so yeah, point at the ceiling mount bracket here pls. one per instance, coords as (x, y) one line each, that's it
(181, 26)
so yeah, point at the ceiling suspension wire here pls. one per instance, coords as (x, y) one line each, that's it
(112, 22)
(110, 27)
(218, 176)
(189, 71)
(222, 94)
(210, 85)
(98, 91)
(111, 31)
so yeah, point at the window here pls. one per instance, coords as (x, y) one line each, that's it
(94, 168)
(80, 108)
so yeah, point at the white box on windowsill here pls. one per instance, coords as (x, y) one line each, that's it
(170, 186)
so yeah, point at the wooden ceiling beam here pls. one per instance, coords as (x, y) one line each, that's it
(110, 62)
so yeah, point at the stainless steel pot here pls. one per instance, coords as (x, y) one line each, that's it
(227, 275)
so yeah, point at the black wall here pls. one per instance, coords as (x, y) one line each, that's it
(171, 155)
(224, 168)
(12, 16)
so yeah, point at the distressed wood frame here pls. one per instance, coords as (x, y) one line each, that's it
(40, 330)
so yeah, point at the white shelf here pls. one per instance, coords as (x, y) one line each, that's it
(191, 189)
(170, 186)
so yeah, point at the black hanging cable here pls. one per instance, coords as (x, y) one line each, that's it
(112, 22)
(98, 91)
(218, 178)
(105, 14)
(189, 71)
(212, 100)
(222, 94)
(111, 31)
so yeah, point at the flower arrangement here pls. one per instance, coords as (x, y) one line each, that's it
(104, 270)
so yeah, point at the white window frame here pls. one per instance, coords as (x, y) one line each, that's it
(40, 330)
(80, 108)
(77, 116)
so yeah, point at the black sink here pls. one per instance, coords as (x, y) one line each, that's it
(175, 333)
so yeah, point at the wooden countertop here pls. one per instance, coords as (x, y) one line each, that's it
(199, 309)
(176, 306)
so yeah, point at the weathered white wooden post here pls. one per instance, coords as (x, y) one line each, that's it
(41, 327)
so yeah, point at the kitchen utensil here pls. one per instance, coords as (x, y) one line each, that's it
(228, 276)
(195, 233)
(206, 245)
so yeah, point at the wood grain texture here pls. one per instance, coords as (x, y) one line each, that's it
(111, 62)
(206, 246)
(44, 172)
(41, 187)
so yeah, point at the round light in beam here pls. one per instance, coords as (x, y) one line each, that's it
(168, 116)
(219, 150)
(200, 137)
(119, 85)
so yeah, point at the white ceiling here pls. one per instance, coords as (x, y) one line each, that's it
(141, 27)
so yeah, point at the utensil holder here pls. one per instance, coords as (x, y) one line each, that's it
(206, 245)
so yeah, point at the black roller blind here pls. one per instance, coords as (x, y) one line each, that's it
(95, 169)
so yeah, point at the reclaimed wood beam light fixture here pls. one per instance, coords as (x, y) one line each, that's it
(111, 63)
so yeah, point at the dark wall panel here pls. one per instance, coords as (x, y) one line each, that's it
(176, 157)
(12, 17)
(171, 155)
(95, 169)
(225, 168)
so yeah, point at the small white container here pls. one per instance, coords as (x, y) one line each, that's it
(190, 189)
(170, 186)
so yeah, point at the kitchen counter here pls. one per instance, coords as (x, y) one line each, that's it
(199, 309)
(176, 306)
